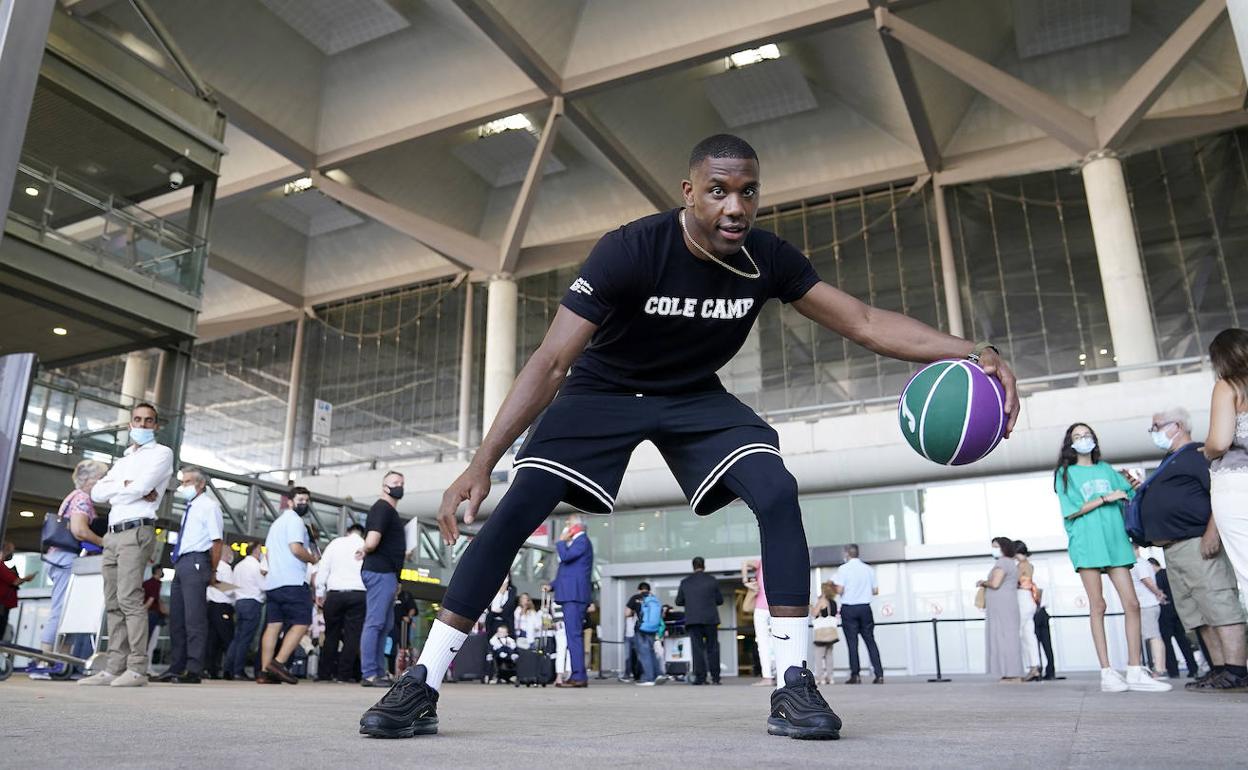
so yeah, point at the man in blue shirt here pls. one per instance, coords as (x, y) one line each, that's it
(289, 550)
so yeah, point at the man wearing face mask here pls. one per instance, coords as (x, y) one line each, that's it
(132, 488)
(289, 550)
(1177, 516)
(385, 547)
(195, 558)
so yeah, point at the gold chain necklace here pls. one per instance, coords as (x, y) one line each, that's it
(717, 260)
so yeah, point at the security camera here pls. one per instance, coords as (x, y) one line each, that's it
(175, 179)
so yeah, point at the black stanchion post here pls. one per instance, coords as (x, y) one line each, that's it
(936, 644)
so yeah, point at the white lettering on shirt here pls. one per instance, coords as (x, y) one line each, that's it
(717, 308)
(581, 286)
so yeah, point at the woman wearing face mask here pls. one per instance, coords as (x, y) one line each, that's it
(1001, 613)
(1091, 494)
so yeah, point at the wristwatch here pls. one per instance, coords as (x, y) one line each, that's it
(979, 349)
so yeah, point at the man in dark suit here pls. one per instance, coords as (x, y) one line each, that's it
(573, 592)
(699, 594)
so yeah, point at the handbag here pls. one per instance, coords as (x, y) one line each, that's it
(56, 533)
(981, 598)
(825, 629)
(750, 601)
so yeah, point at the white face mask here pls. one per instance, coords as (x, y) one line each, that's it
(1162, 441)
(186, 493)
(996, 552)
(1084, 446)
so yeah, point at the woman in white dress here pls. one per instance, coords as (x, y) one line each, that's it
(1227, 445)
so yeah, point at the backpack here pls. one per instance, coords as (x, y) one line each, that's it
(1133, 514)
(651, 615)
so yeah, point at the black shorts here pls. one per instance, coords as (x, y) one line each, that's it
(588, 439)
(289, 605)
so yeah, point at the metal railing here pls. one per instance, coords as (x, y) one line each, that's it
(60, 208)
(65, 418)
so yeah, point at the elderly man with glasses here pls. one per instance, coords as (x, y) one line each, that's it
(1176, 514)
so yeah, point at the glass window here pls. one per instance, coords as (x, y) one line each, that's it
(881, 516)
(827, 520)
(954, 513)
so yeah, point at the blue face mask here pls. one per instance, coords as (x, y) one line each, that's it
(142, 436)
(1084, 446)
(187, 493)
(1162, 440)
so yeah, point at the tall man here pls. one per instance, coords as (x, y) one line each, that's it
(248, 604)
(659, 307)
(195, 559)
(288, 549)
(856, 584)
(699, 594)
(573, 591)
(133, 488)
(1178, 516)
(385, 544)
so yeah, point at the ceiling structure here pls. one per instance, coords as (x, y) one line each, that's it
(383, 105)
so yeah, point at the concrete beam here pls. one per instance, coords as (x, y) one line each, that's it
(1181, 126)
(23, 28)
(621, 157)
(236, 324)
(466, 251)
(487, 18)
(231, 269)
(1055, 118)
(513, 236)
(1043, 154)
(1127, 107)
(265, 132)
(903, 73)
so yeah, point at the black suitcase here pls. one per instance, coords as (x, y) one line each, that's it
(677, 668)
(533, 667)
(470, 661)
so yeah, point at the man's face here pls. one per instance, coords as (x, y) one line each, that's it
(143, 417)
(722, 197)
(301, 499)
(1163, 427)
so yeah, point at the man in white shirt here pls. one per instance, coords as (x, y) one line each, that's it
(195, 558)
(1150, 598)
(220, 615)
(340, 593)
(288, 547)
(133, 488)
(248, 604)
(856, 584)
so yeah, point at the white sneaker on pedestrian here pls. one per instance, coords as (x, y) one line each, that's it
(646, 684)
(1139, 680)
(1112, 681)
(129, 679)
(98, 680)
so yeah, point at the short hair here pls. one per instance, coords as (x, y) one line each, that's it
(393, 473)
(699, 562)
(1154, 562)
(851, 550)
(87, 471)
(1006, 545)
(1179, 416)
(145, 405)
(643, 586)
(189, 471)
(721, 146)
(356, 529)
(299, 491)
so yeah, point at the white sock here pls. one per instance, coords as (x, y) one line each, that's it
(790, 644)
(439, 651)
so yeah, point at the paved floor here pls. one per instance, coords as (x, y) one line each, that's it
(967, 723)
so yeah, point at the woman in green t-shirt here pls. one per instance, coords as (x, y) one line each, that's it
(1091, 493)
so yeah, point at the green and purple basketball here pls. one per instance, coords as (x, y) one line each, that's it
(952, 412)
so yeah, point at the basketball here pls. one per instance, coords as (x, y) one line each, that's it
(952, 413)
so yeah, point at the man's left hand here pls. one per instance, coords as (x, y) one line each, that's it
(150, 496)
(1210, 545)
(992, 363)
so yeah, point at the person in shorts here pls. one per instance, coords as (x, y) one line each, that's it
(288, 550)
(660, 305)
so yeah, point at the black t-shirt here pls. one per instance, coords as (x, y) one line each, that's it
(667, 320)
(634, 604)
(1176, 504)
(392, 549)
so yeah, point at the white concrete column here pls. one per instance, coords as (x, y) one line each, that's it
(465, 374)
(500, 346)
(133, 383)
(1118, 257)
(1238, 11)
(948, 267)
(292, 396)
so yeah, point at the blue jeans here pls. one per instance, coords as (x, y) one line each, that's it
(644, 644)
(59, 565)
(246, 622)
(378, 619)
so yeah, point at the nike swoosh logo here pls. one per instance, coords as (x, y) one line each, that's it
(454, 649)
(784, 638)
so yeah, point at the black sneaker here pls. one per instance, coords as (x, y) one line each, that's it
(799, 711)
(409, 708)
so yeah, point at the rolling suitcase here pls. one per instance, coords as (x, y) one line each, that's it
(470, 661)
(534, 667)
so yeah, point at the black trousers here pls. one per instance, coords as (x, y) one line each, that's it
(1172, 628)
(857, 620)
(1046, 642)
(220, 634)
(704, 639)
(344, 620)
(188, 612)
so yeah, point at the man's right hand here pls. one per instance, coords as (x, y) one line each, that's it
(472, 486)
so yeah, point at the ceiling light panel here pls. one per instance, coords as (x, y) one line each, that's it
(502, 159)
(763, 91)
(336, 25)
(1047, 26)
(311, 213)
